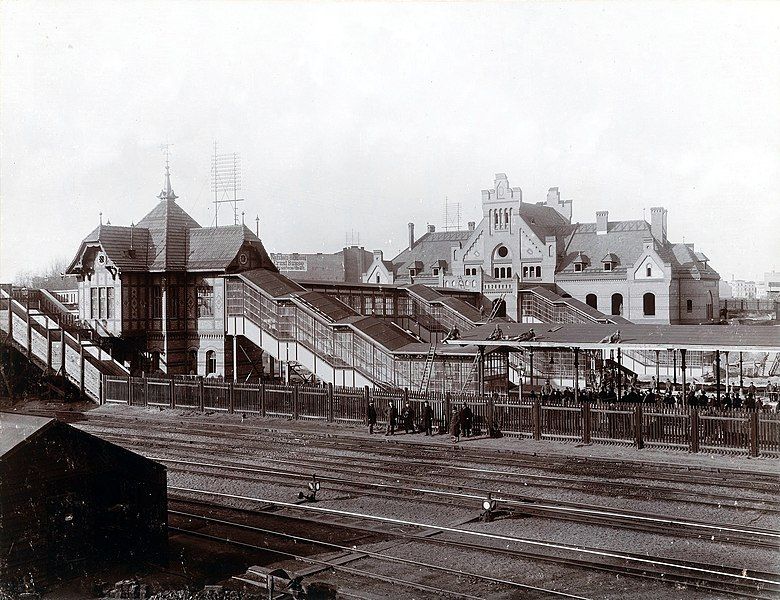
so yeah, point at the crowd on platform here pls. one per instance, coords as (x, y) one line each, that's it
(461, 422)
(625, 389)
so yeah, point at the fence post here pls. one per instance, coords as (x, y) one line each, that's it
(171, 393)
(366, 399)
(330, 402)
(262, 399)
(754, 430)
(694, 430)
(146, 388)
(101, 392)
(638, 439)
(201, 395)
(48, 347)
(537, 415)
(295, 402)
(62, 357)
(447, 409)
(489, 407)
(129, 379)
(231, 399)
(586, 422)
(29, 331)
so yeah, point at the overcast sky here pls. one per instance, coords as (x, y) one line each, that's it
(364, 116)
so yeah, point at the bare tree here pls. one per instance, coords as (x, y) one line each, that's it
(51, 277)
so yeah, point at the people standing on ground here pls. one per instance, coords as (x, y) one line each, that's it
(466, 418)
(455, 425)
(371, 416)
(392, 415)
(547, 391)
(407, 415)
(426, 418)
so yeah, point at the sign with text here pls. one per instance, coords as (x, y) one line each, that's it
(290, 262)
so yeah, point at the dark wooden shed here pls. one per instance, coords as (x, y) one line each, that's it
(69, 500)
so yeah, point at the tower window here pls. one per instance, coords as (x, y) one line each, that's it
(436, 270)
(509, 271)
(689, 306)
(578, 267)
(607, 266)
(377, 278)
(495, 272)
(592, 301)
(538, 271)
(205, 301)
(502, 251)
(211, 362)
(649, 270)
(617, 304)
(156, 302)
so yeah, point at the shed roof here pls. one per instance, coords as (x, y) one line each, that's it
(632, 336)
(214, 248)
(431, 247)
(274, 284)
(16, 428)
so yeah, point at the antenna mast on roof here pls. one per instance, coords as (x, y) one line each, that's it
(225, 182)
(451, 215)
(352, 238)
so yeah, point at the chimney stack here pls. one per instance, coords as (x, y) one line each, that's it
(378, 254)
(411, 235)
(658, 223)
(472, 224)
(602, 217)
(431, 228)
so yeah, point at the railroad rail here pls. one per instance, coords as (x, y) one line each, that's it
(701, 576)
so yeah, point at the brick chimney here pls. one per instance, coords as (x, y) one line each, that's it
(431, 228)
(602, 217)
(378, 254)
(658, 223)
(411, 235)
(472, 224)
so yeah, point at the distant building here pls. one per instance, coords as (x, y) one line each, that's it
(345, 266)
(743, 289)
(72, 503)
(725, 289)
(622, 268)
(769, 288)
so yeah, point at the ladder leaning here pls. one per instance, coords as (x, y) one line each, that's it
(428, 369)
(475, 364)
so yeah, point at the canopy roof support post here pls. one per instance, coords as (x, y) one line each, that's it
(619, 375)
(741, 382)
(576, 374)
(674, 367)
(717, 375)
(728, 375)
(682, 355)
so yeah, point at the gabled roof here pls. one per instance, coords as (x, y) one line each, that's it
(541, 219)
(432, 246)
(214, 248)
(610, 258)
(385, 333)
(168, 224)
(126, 247)
(274, 284)
(580, 258)
(624, 241)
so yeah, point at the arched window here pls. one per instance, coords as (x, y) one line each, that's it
(192, 362)
(648, 304)
(377, 278)
(525, 272)
(211, 362)
(538, 271)
(649, 270)
(155, 361)
(710, 310)
(592, 301)
(509, 271)
(689, 306)
(617, 304)
(503, 272)
(506, 218)
(495, 218)
(495, 272)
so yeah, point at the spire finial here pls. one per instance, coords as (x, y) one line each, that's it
(101, 217)
(257, 225)
(167, 192)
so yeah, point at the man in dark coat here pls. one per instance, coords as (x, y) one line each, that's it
(455, 425)
(466, 419)
(426, 418)
(407, 415)
(371, 416)
(392, 416)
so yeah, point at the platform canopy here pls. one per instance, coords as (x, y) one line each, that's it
(591, 336)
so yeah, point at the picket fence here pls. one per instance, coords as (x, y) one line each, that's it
(641, 425)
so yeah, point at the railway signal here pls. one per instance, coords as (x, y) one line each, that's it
(488, 508)
(314, 487)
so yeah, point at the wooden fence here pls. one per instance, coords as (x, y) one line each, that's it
(640, 425)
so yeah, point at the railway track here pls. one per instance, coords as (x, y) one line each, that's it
(495, 476)
(700, 576)
(458, 495)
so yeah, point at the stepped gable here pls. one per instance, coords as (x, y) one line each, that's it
(431, 247)
(168, 226)
(215, 248)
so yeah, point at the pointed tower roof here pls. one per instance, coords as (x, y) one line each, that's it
(168, 224)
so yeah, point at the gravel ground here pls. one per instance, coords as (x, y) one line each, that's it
(589, 583)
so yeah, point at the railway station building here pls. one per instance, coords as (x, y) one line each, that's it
(626, 269)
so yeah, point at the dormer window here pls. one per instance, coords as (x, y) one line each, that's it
(578, 267)
(435, 270)
(609, 262)
(412, 272)
(580, 260)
